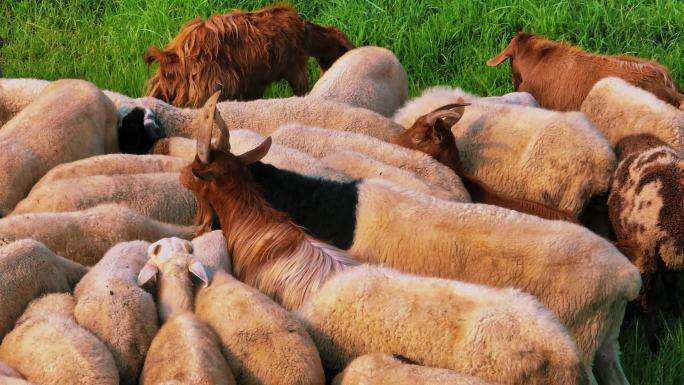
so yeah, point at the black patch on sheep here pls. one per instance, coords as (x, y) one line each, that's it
(135, 137)
(327, 209)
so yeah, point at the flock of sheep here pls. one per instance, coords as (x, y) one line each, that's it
(359, 236)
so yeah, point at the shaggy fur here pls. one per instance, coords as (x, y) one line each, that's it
(70, 120)
(435, 97)
(240, 54)
(320, 143)
(437, 140)
(366, 77)
(646, 206)
(28, 270)
(262, 343)
(384, 369)
(560, 76)
(157, 195)
(185, 351)
(85, 236)
(619, 109)
(500, 335)
(48, 347)
(110, 305)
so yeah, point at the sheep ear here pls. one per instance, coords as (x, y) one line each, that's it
(198, 269)
(153, 250)
(146, 273)
(153, 54)
(257, 153)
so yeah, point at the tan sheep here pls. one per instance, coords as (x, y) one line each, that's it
(384, 369)
(500, 335)
(48, 347)
(85, 236)
(69, 120)
(366, 77)
(111, 305)
(7, 371)
(157, 195)
(28, 270)
(185, 351)
(262, 342)
(211, 249)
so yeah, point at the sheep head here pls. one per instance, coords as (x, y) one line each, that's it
(524, 51)
(172, 256)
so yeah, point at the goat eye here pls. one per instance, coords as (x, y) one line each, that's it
(416, 138)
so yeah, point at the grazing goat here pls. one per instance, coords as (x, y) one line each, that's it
(432, 135)
(646, 207)
(560, 76)
(240, 54)
(374, 220)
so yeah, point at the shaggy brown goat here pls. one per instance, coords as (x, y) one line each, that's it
(560, 76)
(646, 207)
(240, 54)
(432, 135)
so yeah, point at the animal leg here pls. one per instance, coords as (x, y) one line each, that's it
(647, 302)
(298, 78)
(607, 367)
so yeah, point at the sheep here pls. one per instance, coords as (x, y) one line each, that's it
(7, 371)
(557, 159)
(280, 156)
(185, 351)
(81, 122)
(384, 369)
(241, 53)
(212, 251)
(48, 347)
(262, 343)
(500, 335)
(28, 269)
(375, 221)
(110, 305)
(560, 76)
(366, 77)
(435, 97)
(16, 94)
(112, 164)
(431, 134)
(85, 236)
(619, 109)
(157, 195)
(645, 207)
(320, 143)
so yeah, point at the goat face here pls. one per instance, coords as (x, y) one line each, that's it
(169, 76)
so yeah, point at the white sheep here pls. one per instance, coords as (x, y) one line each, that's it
(185, 351)
(619, 109)
(320, 143)
(48, 347)
(500, 335)
(367, 77)
(433, 98)
(111, 305)
(16, 94)
(85, 236)
(69, 120)
(28, 269)
(157, 195)
(384, 369)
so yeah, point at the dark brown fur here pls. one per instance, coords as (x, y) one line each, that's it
(240, 54)
(658, 289)
(438, 141)
(560, 76)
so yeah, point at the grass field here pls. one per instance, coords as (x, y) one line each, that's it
(438, 42)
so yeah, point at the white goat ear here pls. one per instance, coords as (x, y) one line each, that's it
(146, 273)
(198, 269)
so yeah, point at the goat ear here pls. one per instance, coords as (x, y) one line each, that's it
(153, 54)
(204, 175)
(257, 153)
(199, 271)
(146, 273)
(500, 58)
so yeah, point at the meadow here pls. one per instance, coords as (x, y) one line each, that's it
(439, 42)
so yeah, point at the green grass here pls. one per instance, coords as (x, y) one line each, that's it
(438, 42)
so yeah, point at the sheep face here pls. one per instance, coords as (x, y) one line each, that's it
(172, 256)
(524, 51)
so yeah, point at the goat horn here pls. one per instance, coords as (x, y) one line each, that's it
(223, 142)
(206, 125)
(452, 106)
(433, 116)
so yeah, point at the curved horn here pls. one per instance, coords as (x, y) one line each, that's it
(223, 142)
(206, 125)
(433, 116)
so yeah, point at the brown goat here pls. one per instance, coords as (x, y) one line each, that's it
(646, 207)
(269, 252)
(240, 54)
(560, 76)
(432, 135)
